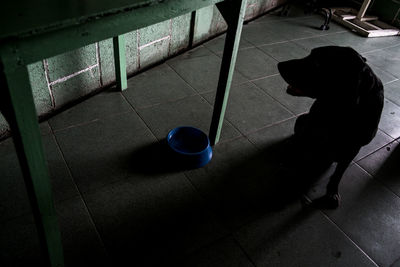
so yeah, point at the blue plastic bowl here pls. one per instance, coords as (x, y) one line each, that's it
(190, 145)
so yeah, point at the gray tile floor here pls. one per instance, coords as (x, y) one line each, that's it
(119, 204)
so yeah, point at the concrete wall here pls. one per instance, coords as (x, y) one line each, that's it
(62, 79)
(386, 10)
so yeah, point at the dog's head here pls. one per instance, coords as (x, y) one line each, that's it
(329, 71)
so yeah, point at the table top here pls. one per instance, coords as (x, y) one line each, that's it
(21, 18)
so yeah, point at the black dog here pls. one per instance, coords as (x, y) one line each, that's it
(346, 112)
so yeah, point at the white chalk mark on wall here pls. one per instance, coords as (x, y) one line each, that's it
(63, 79)
(154, 42)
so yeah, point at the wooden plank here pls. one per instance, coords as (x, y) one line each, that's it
(233, 12)
(49, 15)
(18, 107)
(363, 9)
(120, 62)
(35, 47)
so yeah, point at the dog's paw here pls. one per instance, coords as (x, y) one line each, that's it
(329, 201)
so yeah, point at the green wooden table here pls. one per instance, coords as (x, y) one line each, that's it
(33, 30)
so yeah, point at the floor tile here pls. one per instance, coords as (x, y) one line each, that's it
(155, 86)
(313, 42)
(380, 140)
(360, 43)
(225, 184)
(383, 165)
(396, 264)
(14, 198)
(260, 34)
(201, 71)
(392, 92)
(298, 237)
(275, 86)
(253, 64)
(240, 183)
(98, 154)
(224, 253)
(368, 215)
(192, 111)
(217, 45)
(295, 29)
(249, 108)
(81, 243)
(272, 135)
(386, 60)
(395, 49)
(390, 119)
(95, 108)
(19, 243)
(152, 220)
(45, 128)
(284, 51)
(384, 76)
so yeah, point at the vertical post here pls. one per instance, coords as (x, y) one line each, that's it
(18, 107)
(192, 28)
(120, 62)
(233, 12)
(363, 9)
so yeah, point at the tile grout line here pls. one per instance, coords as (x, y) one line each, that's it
(379, 49)
(242, 134)
(244, 251)
(140, 117)
(81, 196)
(376, 149)
(378, 180)
(202, 97)
(89, 121)
(268, 126)
(275, 99)
(348, 237)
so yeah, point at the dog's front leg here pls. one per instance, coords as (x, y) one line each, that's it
(331, 200)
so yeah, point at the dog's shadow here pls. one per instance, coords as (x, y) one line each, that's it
(271, 178)
(267, 178)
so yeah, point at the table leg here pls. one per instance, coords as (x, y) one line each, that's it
(16, 103)
(233, 13)
(120, 62)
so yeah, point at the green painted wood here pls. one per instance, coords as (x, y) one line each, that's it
(233, 12)
(120, 62)
(18, 107)
(44, 42)
(42, 16)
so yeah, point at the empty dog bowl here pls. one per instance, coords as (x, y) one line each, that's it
(190, 146)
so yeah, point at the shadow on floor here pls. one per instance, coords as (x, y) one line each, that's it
(267, 180)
